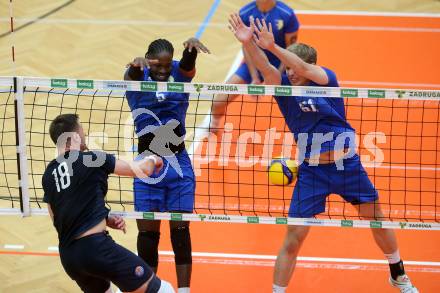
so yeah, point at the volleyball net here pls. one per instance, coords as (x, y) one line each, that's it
(397, 139)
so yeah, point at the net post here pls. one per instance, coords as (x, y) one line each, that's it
(20, 140)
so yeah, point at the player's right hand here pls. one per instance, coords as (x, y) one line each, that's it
(154, 164)
(242, 32)
(142, 62)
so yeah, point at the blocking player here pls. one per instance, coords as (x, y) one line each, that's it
(160, 125)
(319, 174)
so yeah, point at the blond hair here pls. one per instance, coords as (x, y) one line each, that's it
(307, 53)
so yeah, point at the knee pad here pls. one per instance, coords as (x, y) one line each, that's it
(147, 246)
(181, 241)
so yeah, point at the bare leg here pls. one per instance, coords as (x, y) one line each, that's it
(385, 238)
(286, 259)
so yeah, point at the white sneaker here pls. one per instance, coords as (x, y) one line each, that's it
(404, 284)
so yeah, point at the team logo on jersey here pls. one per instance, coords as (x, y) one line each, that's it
(279, 24)
(139, 271)
(164, 135)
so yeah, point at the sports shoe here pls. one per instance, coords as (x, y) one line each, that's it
(404, 284)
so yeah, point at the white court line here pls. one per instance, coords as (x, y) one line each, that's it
(393, 84)
(371, 28)
(305, 265)
(179, 24)
(303, 258)
(368, 13)
(53, 248)
(14, 246)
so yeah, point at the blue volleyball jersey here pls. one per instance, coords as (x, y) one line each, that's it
(164, 105)
(282, 18)
(311, 115)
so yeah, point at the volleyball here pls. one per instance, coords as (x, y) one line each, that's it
(282, 171)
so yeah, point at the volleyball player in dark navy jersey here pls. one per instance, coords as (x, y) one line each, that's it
(75, 184)
(325, 143)
(159, 118)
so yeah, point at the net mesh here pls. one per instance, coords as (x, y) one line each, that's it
(398, 141)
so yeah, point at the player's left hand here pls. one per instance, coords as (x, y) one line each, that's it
(116, 222)
(194, 43)
(264, 36)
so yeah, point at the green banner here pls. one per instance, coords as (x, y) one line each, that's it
(84, 84)
(56, 82)
(148, 86)
(253, 220)
(352, 93)
(148, 215)
(376, 94)
(283, 91)
(346, 223)
(281, 221)
(256, 90)
(175, 87)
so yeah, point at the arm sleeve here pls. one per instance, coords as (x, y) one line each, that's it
(110, 163)
(332, 79)
(292, 23)
(180, 75)
(135, 73)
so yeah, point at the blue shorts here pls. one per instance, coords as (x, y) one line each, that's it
(315, 183)
(96, 260)
(244, 73)
(171, 194)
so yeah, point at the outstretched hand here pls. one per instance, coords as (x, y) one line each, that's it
(116, 222)
(142, 63)
(194, 43)
(242, 32)
(264, 36)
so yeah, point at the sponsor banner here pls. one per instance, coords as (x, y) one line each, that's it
(116, 85)
(253, 220)
(283, 91)
(346, 223)
(314, 222)
(176, 87)
(349, 93)
(256, 90)
(281, 221)
(311, 92)
(84, 83)
(375, 224)
(376, 93)
(147, 86)
(57, 82)
(176, 217)
(405, 225)
(148, 215)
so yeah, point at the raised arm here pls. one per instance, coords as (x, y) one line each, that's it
(244, 34)
(141, 169)
(192, 47)
(265, 40)
(135, 69)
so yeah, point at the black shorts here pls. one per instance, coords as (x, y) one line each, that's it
(96, 260)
